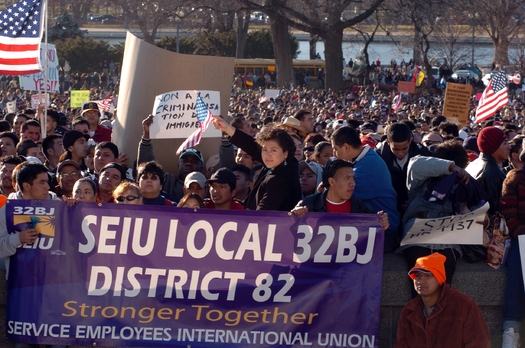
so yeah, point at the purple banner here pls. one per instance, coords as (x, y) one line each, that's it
(158, 276)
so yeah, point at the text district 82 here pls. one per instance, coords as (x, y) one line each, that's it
(116, 236)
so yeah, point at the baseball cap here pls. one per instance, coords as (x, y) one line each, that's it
(339, 123)
(432, 264)
(314, 167)
(90, 106)
(67, 163)
(193, 152)
(118, 167)
(197, 177)
(71, 136)
(223, 176)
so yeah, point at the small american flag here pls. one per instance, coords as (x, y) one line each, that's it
(205, 117)
(20, 36)
(493, 98)
(396, 103)
(105, 104)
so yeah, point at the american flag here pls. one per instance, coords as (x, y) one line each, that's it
(396, 102)
(205, 117)
(105, 104)
(20, 36)
(493, 98)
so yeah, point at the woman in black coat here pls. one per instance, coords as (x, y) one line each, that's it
(277, 187)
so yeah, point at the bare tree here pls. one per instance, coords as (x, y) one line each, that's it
(422, 15)
(243, 23)
(323, 18)
(80, 10)
(368, 38)
(501, 20)
(452, 41)
(150, 15)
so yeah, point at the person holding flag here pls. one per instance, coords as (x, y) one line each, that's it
(493, 98)
(190, 159)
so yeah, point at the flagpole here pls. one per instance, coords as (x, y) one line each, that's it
(46, 65)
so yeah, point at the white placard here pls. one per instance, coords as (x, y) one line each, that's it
(35, 82)
(464, 229)
(175, 116)
(521, 241)
(271, 93)
(11, 106)
(35, 100)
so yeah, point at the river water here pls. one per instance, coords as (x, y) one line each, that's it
(483, 54)
(385, 51)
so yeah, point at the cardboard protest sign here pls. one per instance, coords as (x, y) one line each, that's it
(175, 116)
(79, 97)
(457, 103)
(36, 82)
(149, 71)
(404, 86)
(271, 93)
(35, 100)
(456, 229)
(11, 106)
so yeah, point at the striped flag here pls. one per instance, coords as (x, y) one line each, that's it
(205, 117)
(20, 36)
(493, 98)
(396, 102)
(105, 104)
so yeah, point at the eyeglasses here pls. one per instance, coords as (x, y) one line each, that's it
(67, 175)
(431, 142)
(127, 198)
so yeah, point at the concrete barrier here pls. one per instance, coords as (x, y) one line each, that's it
(478, 280)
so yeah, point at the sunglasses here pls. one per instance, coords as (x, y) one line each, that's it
(127, 198)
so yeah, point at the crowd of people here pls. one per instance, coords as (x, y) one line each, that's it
(308, 150)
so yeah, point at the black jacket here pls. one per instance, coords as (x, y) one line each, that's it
(486, 171)
(316, 203)
(277, 189)
(399, 175)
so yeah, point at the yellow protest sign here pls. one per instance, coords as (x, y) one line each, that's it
(78, 97)
(457, 103)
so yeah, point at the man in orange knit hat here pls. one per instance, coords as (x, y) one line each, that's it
(439, 316)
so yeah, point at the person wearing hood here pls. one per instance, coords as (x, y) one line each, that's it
(310, 176)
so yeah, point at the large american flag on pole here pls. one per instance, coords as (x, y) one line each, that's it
(20, 36)
(493, 98)
(205, 117)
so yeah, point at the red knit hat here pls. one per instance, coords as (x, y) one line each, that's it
(489, 139)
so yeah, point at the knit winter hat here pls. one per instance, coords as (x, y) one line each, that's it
(434, 263)
(489, 139)
(471, 143)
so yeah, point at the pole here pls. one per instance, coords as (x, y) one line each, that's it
(43, 118)
(473, 34)
(178, 37)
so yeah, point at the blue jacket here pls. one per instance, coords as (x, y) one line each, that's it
(373, 186)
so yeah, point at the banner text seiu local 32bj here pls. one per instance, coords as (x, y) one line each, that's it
(160, 276)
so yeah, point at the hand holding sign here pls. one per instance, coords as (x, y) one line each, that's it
(176, 114)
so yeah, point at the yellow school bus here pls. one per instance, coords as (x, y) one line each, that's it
(260, 66)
